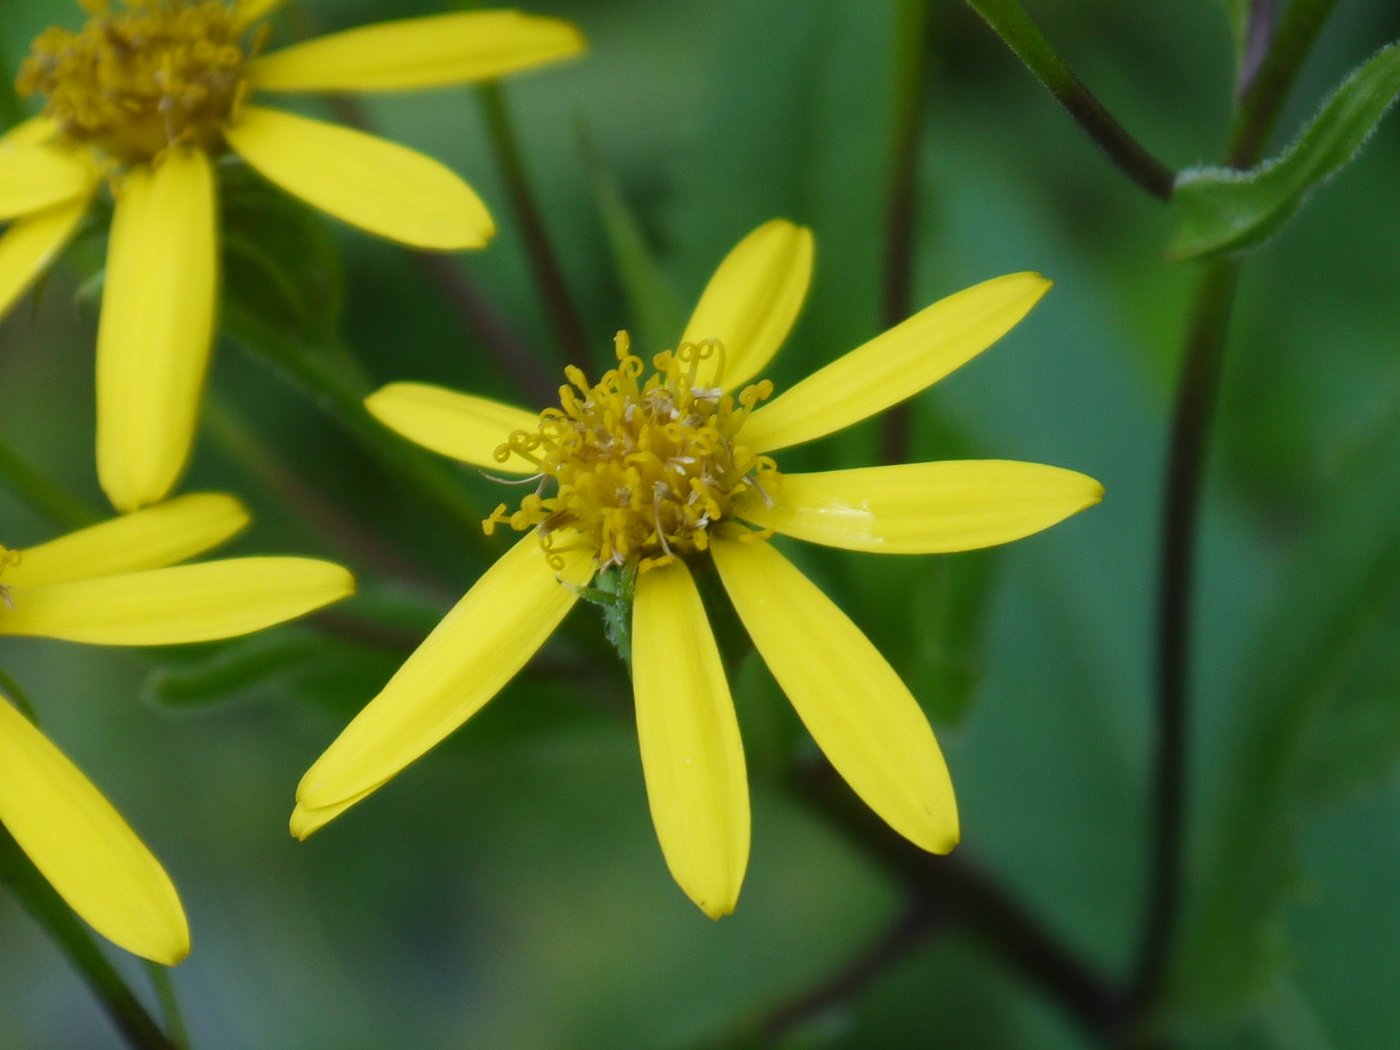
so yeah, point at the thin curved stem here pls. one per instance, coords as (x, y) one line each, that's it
(968, 896)
(1010, 22)
(1195, 405)
(50, 910)
(169, 1004)
(538, 383)
(497, 337)
(1267, 88)
(559, 308)
(1193, 410)
(914, 925)
(911, 43)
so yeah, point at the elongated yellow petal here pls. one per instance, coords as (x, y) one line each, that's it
(751, 302)
(457, 425)
(691, 752)
(897, 364)
(364, 180)
(31, 244)
(157, 325)
(851, 701)
(250, 11)
(152, 538)
(185, 603)
(35, 177)
(419, 52)
(29, 132)
(84, 848)
(478, 647)
(305, 822)
(924, 508)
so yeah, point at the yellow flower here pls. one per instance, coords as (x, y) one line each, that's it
(116, 583)
(148, 96)
(81, 844)
(657, 474)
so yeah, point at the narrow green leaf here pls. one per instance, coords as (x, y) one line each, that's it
(1318, 721)
(656, 313)
(1220, 209)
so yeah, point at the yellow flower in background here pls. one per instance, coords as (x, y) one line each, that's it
(117, 583)
(146, 96)
(658, 472)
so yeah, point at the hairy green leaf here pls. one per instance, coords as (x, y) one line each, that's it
(1221, 210)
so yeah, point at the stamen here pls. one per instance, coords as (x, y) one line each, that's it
(134, 82)
(639, 468)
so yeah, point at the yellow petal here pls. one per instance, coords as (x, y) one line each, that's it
(897, 364)
(457, 425)
(148, 539)
(29, 132)
(305, 821)
(924, 508)
(861, 715)
(418, 52)
(751, 302)
(250, 11)
(32, 243)
(157, 324)
(691, 752)
(478, 647)
(84, 848)
(35, 177)
(186, 603)
(364, 180)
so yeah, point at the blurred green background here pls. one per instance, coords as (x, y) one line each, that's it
(508, 891)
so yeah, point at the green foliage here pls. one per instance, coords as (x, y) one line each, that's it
(1318, 722)
(280, 263)
(656, 313)
(1222, 210)
(521, 845)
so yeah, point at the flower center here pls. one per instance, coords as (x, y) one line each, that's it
(641, 469)
(134, 82)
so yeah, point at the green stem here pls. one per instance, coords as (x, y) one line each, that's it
(43, 902)
(1195, 405)
(963, 894)
(1265, 92)
(1009, 21)
(911, 44)
(564, 320)
(42, 494)
(169, 1004)
(913, 926)
(1191, 418)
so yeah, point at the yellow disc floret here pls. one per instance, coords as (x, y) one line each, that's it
(641, 469)
(136, 81)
